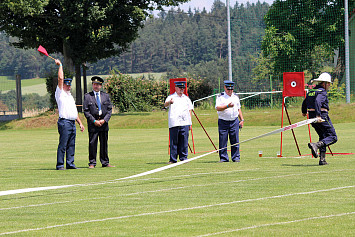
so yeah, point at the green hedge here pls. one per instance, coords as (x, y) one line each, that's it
(138, 94)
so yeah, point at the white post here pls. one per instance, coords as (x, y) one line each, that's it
(230, 76)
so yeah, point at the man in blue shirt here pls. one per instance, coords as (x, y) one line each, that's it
(316, 104)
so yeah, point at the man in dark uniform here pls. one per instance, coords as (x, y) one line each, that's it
(98, 110)
(316, 104)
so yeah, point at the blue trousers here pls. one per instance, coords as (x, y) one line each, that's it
(325, 130)
(230, 128)
(179, 138)
(67, 134)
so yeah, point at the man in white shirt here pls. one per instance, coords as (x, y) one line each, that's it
(180, 107)
(229, 111)
(68, 114)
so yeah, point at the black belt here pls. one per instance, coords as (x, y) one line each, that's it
(67, 119)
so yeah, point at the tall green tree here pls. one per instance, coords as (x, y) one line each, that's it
(302, 34)
(82, 30)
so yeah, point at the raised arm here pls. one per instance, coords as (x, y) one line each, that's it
(60, 74)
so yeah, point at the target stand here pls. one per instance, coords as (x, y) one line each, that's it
(172, 91)
(293, 86)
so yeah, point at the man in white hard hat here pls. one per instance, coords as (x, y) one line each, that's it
(316, 104)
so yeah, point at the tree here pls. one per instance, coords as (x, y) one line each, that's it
(298, 30)
(82, 30)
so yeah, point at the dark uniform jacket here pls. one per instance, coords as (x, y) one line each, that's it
(316, 99)
(91, 110)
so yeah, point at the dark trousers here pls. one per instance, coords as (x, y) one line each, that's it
(179, 138)
(230, 128)
(93, 138)
(67, 134)
(325, 130)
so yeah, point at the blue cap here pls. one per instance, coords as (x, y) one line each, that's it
(67, 81)
(229, 84)
(180, 84)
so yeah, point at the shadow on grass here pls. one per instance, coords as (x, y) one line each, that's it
(4, 125)
(131, 114)
(158, 163)
(300, 165)
(212, 162)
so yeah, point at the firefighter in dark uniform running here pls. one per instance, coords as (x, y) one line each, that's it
(316, 104)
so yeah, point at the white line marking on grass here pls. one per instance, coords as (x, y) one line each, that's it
(169, 189)
(292, 126)
(174, 210)
(27, 190)
(279, 223)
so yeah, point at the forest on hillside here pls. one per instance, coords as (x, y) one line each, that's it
(190, 44)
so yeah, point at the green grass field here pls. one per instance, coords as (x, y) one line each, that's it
(267, 196)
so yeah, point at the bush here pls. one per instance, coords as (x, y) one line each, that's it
(336, 92)
(138, 94)
(129, 94)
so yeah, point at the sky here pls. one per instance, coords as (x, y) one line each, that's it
(208, 3)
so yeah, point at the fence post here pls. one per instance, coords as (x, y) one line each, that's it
(271, 102)
(19, 95)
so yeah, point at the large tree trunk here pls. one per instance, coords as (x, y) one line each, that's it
(68, 61)
(69, 65)
(84, 78)
(79, 97)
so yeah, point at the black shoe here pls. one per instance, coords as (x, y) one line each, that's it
(313, 148)
(72, 168)
(61, 168)
(322, 162)
(222, 161)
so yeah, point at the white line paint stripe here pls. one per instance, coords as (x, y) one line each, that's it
(16, 191)
(175, 210)
(279, 223)
(292, 126)
(169, 189)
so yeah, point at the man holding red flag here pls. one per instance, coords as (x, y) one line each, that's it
(68, 114)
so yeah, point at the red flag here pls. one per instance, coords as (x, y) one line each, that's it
(43, 50)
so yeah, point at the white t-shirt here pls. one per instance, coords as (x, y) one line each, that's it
(179, 111)
(230, 113)
(66, 104)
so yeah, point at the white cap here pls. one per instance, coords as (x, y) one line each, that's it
(324, 77)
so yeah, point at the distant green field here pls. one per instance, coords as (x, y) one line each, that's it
(265, 196)
(38, 85)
